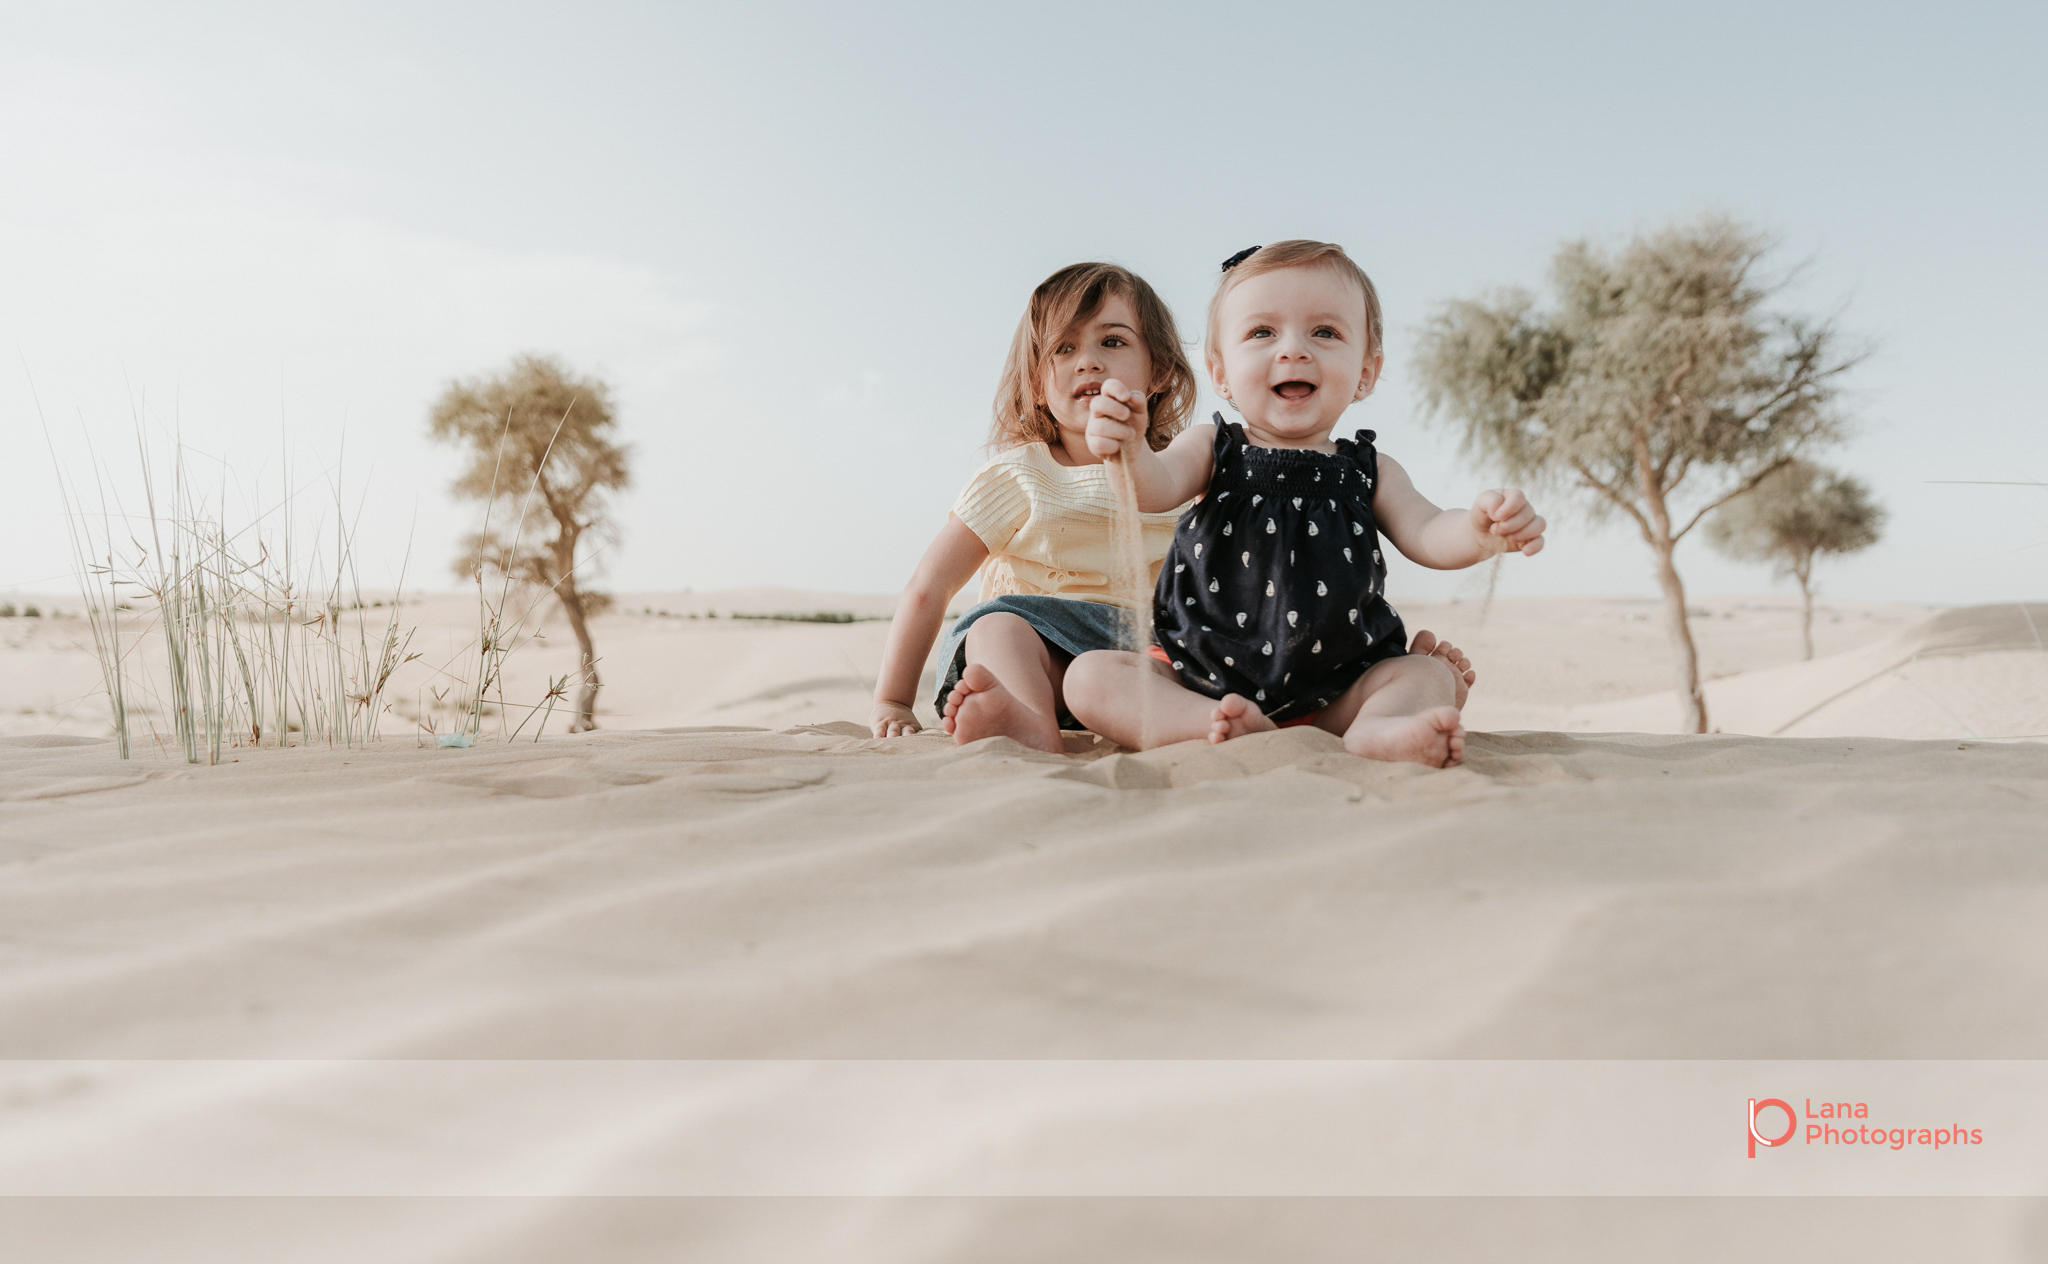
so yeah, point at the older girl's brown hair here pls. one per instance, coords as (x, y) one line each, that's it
(1069, 296)
(1299, 254)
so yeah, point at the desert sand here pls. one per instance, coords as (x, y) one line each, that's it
(566, 992)
(1569, 664)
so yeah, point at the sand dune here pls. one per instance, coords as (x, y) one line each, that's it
(813, 894)
(1542, 661)
(667, 658)
(1979, 672)
(626, 894)
(533, 979)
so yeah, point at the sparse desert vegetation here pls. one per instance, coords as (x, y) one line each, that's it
(216, 630)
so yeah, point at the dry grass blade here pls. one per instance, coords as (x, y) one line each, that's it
(254, 641)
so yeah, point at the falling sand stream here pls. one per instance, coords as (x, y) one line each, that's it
(1130, 579)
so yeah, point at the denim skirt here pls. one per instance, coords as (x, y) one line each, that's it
(1069, 627)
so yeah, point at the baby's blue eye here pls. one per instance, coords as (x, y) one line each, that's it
(1262, 333)
(1326, 332)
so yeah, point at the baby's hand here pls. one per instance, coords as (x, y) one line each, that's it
(893, 719)
(1508, 521)
(1115, 418)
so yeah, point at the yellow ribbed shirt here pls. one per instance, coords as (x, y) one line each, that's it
(1048, 527)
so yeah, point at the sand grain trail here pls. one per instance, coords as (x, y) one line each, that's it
(1133, 579)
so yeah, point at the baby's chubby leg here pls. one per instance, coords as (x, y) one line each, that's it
(1135, 700)
(1009, 688)
(1236, 716)
(1403, 710)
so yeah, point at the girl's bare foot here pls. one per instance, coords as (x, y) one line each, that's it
(980, 707)
(1235, 716)
(1425, 642)
(1434, 737)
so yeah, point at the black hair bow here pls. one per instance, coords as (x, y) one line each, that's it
(1239, 257)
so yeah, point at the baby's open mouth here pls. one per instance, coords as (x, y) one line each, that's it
(1091, 389)
(1295, 391)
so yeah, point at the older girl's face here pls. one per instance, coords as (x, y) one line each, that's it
(1102, 345)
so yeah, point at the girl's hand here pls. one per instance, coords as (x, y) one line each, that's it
(1116, 418)
(893, 719)
(1508, 521)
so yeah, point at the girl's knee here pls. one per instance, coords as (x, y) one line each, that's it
(999, 628)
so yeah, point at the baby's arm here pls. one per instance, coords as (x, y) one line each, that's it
(1499, 521)
(1164, 480)
(942, 571)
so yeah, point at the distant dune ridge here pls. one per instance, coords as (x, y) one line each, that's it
(1980, 672)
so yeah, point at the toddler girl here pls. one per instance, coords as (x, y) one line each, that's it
(1272, 607)
(1036, 520)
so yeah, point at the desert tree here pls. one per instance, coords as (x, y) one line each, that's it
(1798, 513)
(1659, 383)
(542, 456)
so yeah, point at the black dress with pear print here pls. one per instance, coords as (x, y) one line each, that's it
(1274, 587)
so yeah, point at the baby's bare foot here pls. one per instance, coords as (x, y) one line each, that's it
(1435, 737)
(1425, 642)
(980, 707)
(1236, 716)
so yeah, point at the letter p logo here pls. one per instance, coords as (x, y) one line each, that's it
(1756, 1138)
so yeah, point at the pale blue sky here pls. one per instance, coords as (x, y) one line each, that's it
(797, 237)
